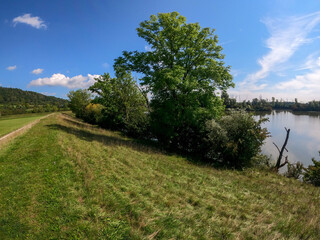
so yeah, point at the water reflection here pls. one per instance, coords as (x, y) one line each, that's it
(304, 141)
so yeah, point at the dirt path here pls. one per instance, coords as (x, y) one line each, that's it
(19, 131)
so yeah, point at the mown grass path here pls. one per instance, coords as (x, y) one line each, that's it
(65, 179)
(11, 123)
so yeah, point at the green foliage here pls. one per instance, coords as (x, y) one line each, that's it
(294, 170)
(234, 139)
(65, 179)
(17, 101)
(312, 173)
(14, 122)
(93, 113)
(125, 106)
(79, 99)
(275, 104)
(182, 72)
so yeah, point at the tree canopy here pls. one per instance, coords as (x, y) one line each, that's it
(182, 73)
(79, 99)
(124, 104)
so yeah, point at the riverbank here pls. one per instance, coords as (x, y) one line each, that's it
(303, 144)
(67, 179)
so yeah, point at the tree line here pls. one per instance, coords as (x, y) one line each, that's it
(267, 105)
(176, 101)
(17, 101)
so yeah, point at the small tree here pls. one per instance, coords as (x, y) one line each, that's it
(125, 106)
(312, 173)
(79, 99)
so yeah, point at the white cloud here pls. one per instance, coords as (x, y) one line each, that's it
(309, 81)
(11, 68)
(59, 79)
(311, 62)
(37, 71)
(35, 22)
(105, 65)
(287, 35)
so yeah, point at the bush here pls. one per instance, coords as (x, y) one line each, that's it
(294, 170)
(125, 106)
(79, 99)
(93, 113)
(312, 174)
(234, 140)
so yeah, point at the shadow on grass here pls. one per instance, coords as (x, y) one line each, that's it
(106, 140)
(146, 146)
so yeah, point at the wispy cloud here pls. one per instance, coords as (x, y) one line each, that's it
(105, 65)
(311, 62)
(59, 79)
(37, 71)
(11, 68)
(286, 36)
(35, 22)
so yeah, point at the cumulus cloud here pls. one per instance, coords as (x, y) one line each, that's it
(286, 36)
(309, 81)
(59, 79)
(37, 71)
(35, 22)
(11, 68)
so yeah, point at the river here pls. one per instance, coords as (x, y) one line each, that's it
(304, 140)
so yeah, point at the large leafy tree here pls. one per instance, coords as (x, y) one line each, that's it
(182, 72)
(124, 104)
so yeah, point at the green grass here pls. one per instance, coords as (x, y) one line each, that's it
(64, 179)
(13, 122)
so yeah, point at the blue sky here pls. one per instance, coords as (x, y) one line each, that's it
(53, 47)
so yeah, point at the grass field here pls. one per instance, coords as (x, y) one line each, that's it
(13, 122)
(64, 179)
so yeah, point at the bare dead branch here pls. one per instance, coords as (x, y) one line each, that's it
(278, 164)
(276, 146)
(285, 162)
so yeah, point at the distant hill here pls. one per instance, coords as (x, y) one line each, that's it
(15, 101)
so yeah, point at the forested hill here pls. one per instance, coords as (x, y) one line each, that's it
(18, 96)
(14, 101)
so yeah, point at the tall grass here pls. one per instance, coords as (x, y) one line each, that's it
(65, 179)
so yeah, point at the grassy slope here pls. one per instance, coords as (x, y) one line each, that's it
(11, 123)
(67, 180)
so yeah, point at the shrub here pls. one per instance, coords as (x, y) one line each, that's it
(294, 170)
(93, 113)
(125, 106)
(79, 99)
(234, 140)
(312, 173)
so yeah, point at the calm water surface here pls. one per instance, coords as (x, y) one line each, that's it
(304, 140)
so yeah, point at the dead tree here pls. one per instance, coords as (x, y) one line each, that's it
(279, 164)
